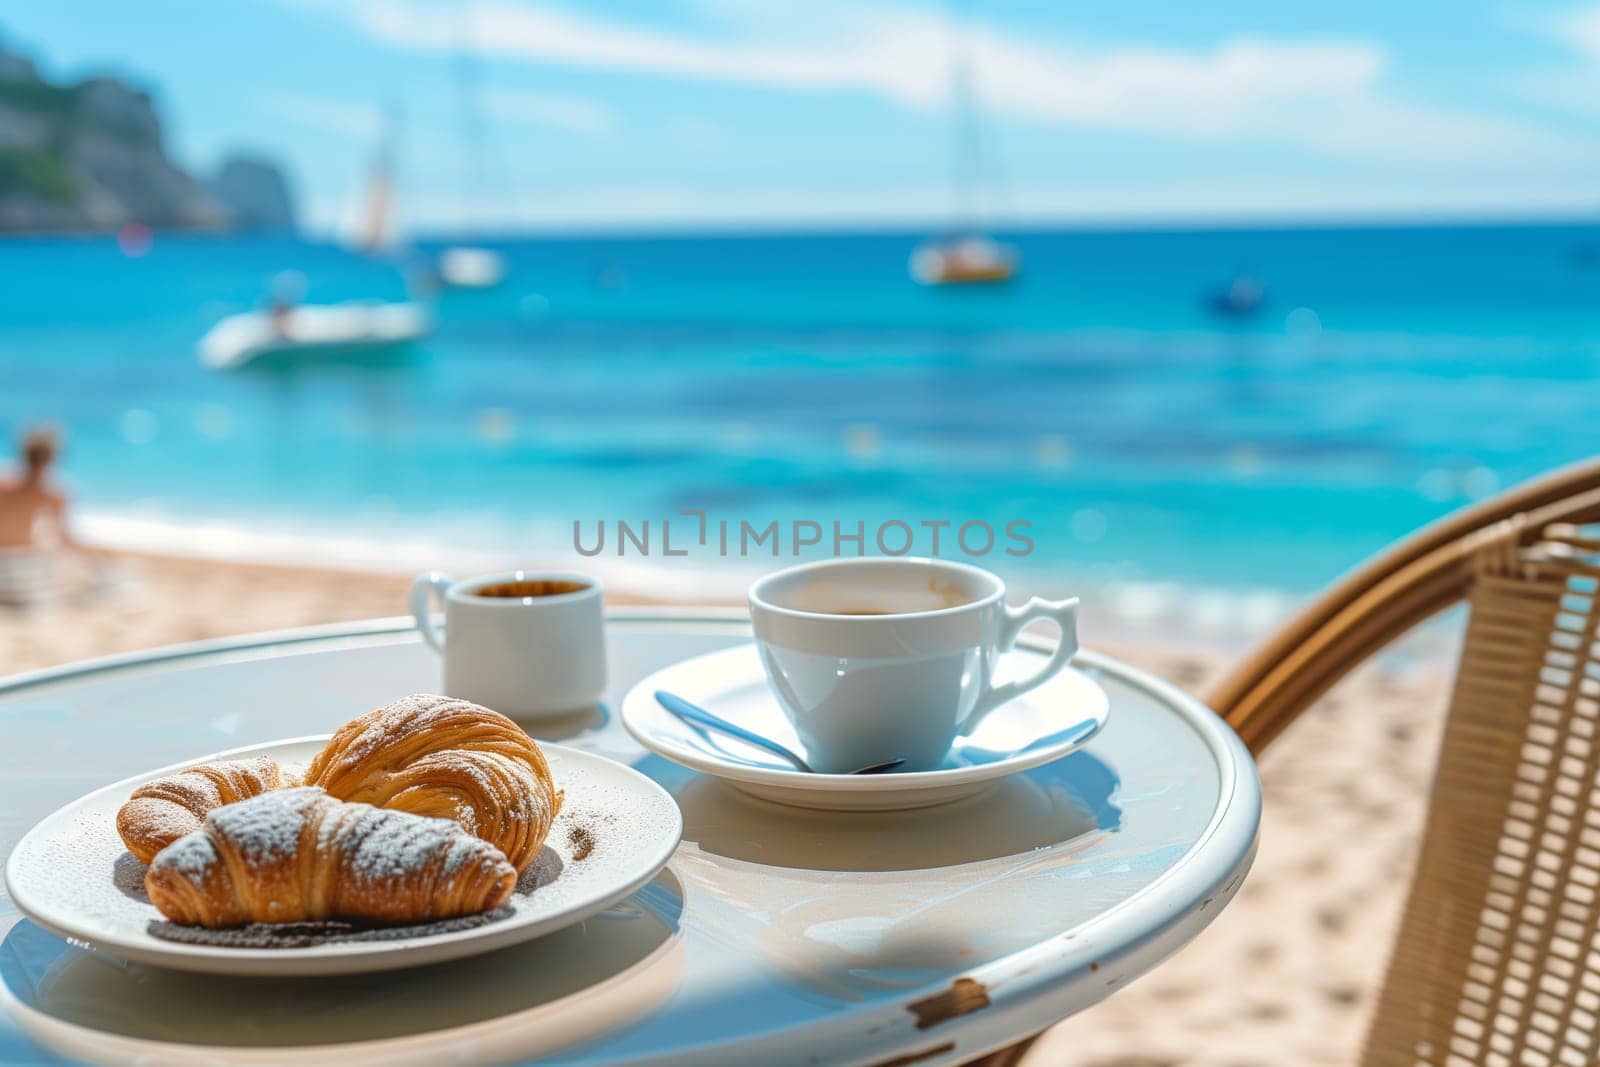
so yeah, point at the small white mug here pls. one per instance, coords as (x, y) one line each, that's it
(528, 644)
(882, 658)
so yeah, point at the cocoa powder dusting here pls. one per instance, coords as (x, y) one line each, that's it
(581, 838)
(311, 934)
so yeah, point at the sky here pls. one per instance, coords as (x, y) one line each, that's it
(683, 113)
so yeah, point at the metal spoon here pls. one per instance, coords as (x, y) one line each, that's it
(693, 713)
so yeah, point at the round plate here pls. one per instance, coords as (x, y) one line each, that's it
(72, 875)
(1037, 727)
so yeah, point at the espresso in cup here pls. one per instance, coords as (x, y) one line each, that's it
(894, 658)
(529, 588)
(527, 644)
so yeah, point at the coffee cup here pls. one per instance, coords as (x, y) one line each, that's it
(529, 644)
(893, 658)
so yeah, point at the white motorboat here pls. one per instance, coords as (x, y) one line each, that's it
(312, 330)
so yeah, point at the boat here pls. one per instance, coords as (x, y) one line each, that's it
(964, 261)
(966, 256)
(312, 331)
(1239, 299)
(470, 268)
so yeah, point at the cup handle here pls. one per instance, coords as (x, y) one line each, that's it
(423, 591)
(1064, 613)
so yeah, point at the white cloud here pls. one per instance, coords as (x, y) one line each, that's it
(1579, 29)
(1328, 96)
(576, 113)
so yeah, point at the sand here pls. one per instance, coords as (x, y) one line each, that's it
(1287, 974)
(163, 601)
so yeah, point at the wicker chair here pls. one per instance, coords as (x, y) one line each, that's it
(1497, 962)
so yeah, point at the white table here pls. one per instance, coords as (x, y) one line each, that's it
(775, 936)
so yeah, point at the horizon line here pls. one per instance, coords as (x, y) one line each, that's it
(1379, 219)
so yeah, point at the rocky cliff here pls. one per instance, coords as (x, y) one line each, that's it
(255, 193)
(89, 155)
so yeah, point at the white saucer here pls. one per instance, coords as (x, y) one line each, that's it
(72, 875)
(1037, 727)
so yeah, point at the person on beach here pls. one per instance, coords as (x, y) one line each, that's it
(33, 512)
(33, 525)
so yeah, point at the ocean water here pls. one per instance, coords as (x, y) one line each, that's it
(1391, 375)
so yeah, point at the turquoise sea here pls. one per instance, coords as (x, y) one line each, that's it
(1391, 375)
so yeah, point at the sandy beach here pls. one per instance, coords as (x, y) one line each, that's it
(1287, 975)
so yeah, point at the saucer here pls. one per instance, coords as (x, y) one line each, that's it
(1037, 727)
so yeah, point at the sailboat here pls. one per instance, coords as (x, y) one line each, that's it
(469, 266)
(966, 256)
(290, 330)
(969, 260)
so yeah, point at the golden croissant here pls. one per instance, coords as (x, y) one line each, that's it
(448, 758)
(162, 811)
(295, 855)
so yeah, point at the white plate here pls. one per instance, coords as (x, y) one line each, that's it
(1037, 727)
(72, 876)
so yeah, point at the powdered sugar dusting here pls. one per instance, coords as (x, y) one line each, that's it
(162, 819)
(373, 844)
(384, 845)
(266, 829)
(418, 711)
(191, 856)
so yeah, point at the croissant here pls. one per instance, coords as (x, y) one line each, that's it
(162, 811)
(448, 758)
(296, 855)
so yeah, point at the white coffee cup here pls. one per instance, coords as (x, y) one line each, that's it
(876, 659)
(529, 644)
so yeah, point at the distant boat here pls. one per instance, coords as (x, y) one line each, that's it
(470, 268)
(964, 261)
(1240, 299)
(312, 331)
(967, 257)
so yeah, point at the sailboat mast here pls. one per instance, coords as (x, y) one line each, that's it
(469, 118)
(375, 231)
(966, 134)
(486, 175)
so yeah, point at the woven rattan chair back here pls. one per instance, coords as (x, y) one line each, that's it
(1383, 598)
(1497, 962)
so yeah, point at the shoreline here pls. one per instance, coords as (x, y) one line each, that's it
(199, 597)
(124, 601)
(1121, 611)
